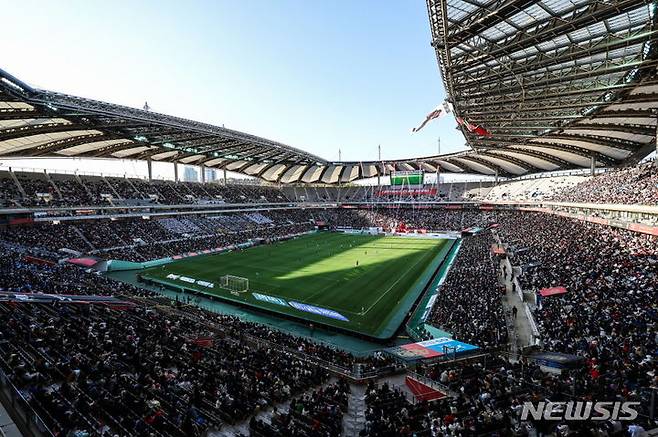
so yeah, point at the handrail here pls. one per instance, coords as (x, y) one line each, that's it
(32, 422)
(534, 331)
(535, 335)
(436, 385)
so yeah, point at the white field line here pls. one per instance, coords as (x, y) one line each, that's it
(393, 285)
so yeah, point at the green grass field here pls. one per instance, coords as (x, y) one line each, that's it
(321, 270)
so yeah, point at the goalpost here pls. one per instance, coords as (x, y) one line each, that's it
(234, 284)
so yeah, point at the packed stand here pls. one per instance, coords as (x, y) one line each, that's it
(9, 193)
(487, 397)
(607, 318)
(140, 240)
(21, 273)
(319, 413)
(139, 371)
(608, 314)
(472, 283)
(630, 186)
(56, 190)
(390, 414)
(410, 219)
(481, 403)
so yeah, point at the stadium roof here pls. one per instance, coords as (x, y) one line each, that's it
(556, 82)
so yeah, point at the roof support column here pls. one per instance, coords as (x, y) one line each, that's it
(224, 176)
(203, 173)
(592, 165)
(149, 165)
(175, 171)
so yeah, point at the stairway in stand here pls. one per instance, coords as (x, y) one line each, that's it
(355, 418)
(242, 428)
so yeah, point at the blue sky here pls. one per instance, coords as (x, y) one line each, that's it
(318, 75)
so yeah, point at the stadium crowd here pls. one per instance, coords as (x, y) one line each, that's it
(607, 318)
(60, 190)
(140, 240)
(629, 186)
(482, 405)
(391, 219)
(636, 185)
(608, 314)
(155, 357)
(78, 383)
(319, 413)
(472, 283)
(488, 397)
(140, 371)
(24, 273)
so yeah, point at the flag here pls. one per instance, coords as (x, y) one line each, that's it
(466, 124)
(479, 130)
(441, 111)
(476, 129)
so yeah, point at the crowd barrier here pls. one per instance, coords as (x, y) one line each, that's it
(27, 420)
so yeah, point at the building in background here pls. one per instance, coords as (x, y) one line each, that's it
(211, 175)
(190, 174)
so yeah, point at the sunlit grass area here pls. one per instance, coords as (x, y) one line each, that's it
(356, 282)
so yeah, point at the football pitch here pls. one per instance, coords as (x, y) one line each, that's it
(361, 283)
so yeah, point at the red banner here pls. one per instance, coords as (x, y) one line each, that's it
(84, 262)
(20, 220)
(38, 261)
(552, 291)
(423, 391)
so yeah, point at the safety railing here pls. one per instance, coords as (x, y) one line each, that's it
(29, 421)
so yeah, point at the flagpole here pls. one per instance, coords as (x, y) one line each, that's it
(438, 149)
(339, 181)
(379, 154)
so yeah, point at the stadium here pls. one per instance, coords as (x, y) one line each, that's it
(507, 289)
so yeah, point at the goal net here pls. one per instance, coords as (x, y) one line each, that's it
(234, 284)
